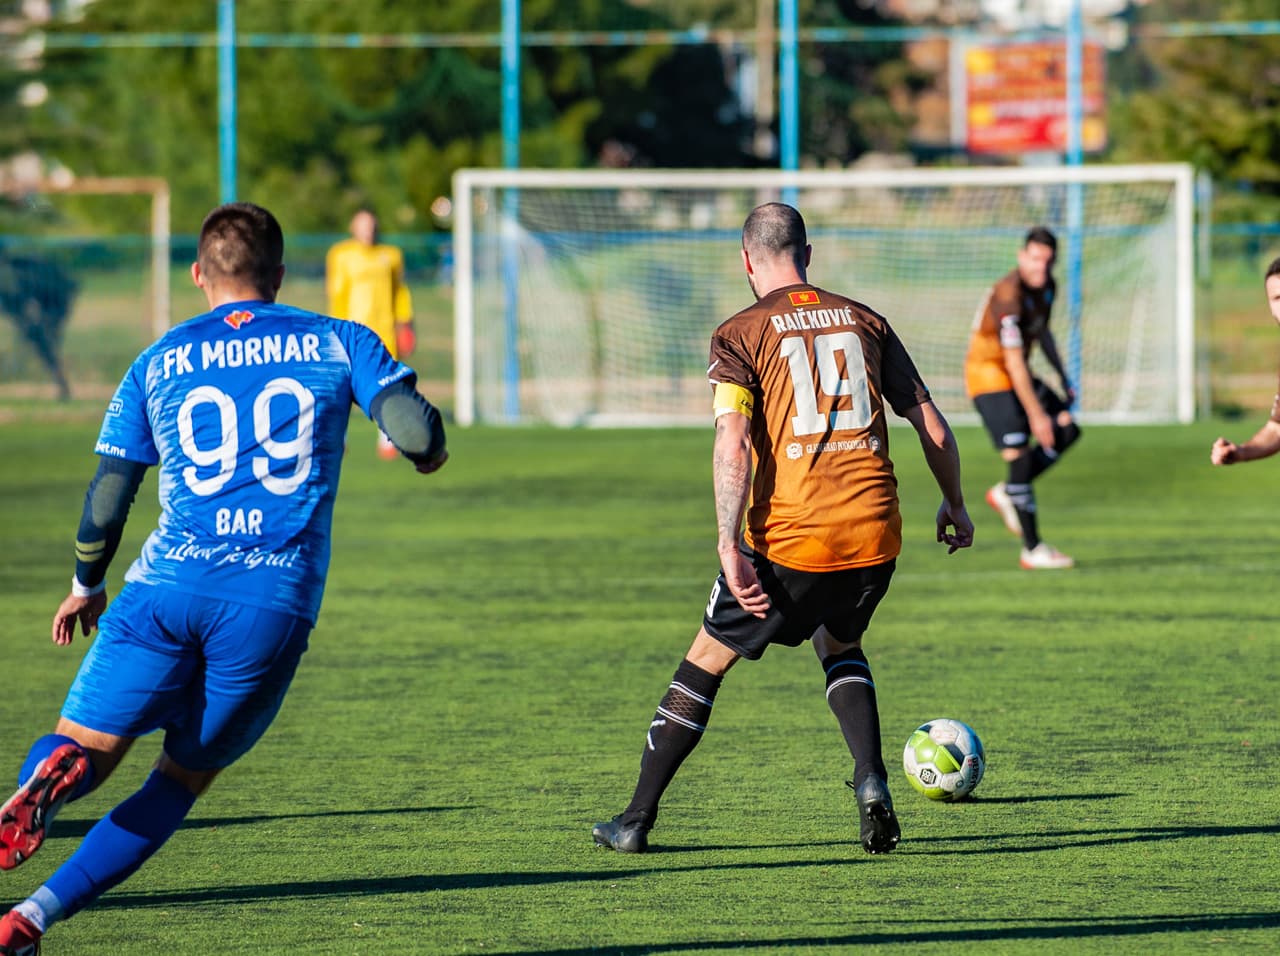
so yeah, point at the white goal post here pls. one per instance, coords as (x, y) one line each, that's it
(84, 279)
(152, 186)
(588, 297)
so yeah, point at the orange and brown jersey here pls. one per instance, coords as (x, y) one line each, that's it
(813, 370)
(1011, 316)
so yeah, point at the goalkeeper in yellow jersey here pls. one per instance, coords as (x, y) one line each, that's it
(364, 279)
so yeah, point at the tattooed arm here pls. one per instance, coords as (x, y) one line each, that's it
(731, 472)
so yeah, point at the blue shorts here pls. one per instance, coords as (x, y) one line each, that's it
(211, 673)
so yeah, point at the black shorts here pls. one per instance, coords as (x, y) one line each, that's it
(1006, 419)
(800, 603)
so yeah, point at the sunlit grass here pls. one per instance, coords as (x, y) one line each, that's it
(495, 638)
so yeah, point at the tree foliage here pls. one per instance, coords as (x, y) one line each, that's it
(1210, 101)
(846, 106)
(323, 130)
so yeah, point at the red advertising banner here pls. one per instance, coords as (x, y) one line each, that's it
(1017, 97)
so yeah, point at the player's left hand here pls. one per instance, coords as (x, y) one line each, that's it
(435, 464)
(406, 339)
(73, 610)
(743, 582)
(957, 518)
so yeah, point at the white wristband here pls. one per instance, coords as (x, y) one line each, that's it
(79, 590)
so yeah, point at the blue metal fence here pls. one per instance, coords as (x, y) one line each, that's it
(87, 299)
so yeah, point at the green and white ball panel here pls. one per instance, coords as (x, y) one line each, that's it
(944, 759)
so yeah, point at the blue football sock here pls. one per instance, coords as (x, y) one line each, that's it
(41, 749)
(121, 842)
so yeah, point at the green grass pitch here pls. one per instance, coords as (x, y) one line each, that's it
(495, 638)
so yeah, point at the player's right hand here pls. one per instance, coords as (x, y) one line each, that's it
(1042, 429)
(957, 518)
(744, 584)
(73, 610)
(1223, 452)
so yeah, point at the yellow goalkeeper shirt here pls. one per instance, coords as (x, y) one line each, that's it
(366, 285)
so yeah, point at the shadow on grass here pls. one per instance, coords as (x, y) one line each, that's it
(429, 883)
(1033, 842)
(1172, 557)
(1045, 798)
(1042, 929)
(1043, 840)
(78, 828)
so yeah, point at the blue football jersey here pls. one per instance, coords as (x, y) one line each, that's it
(245, 409)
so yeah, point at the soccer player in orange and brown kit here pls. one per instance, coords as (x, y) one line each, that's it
(1016, 407)
(801, 382)
(1266, 442)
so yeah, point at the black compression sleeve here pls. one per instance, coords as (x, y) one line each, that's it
(106, 507)
(411, 422)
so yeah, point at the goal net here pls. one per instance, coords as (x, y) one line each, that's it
(84, 282)
(589, 297)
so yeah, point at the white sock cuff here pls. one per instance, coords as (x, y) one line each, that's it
(42, 908)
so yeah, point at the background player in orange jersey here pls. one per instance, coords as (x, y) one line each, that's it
(1267, 440)
(1016, 407)
(365, 282)
(801, 382)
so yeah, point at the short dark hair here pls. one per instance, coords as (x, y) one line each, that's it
(775, 230)
(241, 242)
(1273, 269)
(1041, 236)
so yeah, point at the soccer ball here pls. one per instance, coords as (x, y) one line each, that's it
(944, 759)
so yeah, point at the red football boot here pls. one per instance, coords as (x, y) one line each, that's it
(18, 937)
(24, 817)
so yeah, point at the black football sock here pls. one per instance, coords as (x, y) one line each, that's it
(1064, 436)
(1041, 461)
(1023, 496)
(851, 695)
(676, 729)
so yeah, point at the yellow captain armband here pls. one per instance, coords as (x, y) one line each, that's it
(733, 398)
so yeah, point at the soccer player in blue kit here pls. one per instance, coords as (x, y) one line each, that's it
(245, 410)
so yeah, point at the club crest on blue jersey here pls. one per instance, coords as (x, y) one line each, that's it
(238, 318)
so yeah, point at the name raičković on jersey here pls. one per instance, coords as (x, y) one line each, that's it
(820, 368)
